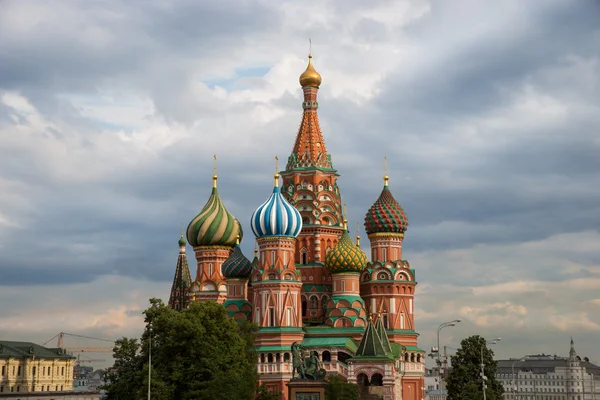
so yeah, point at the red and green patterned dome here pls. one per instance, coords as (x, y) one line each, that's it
(237, 265)
(386, 215)
(345, 257)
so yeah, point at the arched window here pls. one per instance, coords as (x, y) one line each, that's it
(304, 307)
(304, 257)
(270, 358)
(412, 357)
(377, 380)
(210, 269)
(343, 356)
(313, 303)
(326, 356)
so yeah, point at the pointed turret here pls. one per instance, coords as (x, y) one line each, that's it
(383, 334)
(179, 298)
(371, 345)
(309, 149)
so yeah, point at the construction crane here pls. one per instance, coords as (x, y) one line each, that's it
(77, 366)
(81, 349)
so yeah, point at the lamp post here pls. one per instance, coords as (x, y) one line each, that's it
(442, 326)
(149, 361)
(483, 377)
(439, 363)
(515, 388)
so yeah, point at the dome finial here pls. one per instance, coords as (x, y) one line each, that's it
(310, 77)
(276, 176)
(345, 217)
(385, 172)
(357, 234)
(215, 177)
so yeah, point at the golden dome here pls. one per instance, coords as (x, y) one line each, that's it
(310, 77)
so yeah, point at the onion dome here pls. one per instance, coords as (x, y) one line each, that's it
(276, 216)
(182, 241)
(214, 226)
(386, 215)
(345, 256)
(237, 265)
(310, 77)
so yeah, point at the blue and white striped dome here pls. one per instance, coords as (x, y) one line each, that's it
(276, 216)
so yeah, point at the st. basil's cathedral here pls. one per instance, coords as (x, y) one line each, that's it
(309, 282)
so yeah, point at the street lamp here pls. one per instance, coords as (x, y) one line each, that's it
(483, 377)
(515, 388)
(442, 326)
(439, 363)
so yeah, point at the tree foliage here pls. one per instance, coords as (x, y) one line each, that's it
(264, 393)
(464, 380)
(197, 353)
(338, 389)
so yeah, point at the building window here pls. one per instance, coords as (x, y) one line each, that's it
(271, 316)
(19, 371)
(210, 269)
(384, 250)
(304, 257)
(288, 316)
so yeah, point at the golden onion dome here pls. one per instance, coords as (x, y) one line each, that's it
(310, 77)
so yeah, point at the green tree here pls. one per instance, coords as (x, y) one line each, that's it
(338, 389)
(464, 380)
(264, 393)
(197, 353)
(123, 378)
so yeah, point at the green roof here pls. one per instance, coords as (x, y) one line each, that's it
(307, 287)
(28, 349)
(413, 348)
(372, 346)
(335, 341)
(262, 349)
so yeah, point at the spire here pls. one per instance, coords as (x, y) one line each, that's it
(385, 172)
(182, 281)
(215, 177)
(309, 149)
(371, 345)
(382, 332)
(276, 176)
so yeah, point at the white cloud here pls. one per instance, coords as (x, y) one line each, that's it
(108, 127)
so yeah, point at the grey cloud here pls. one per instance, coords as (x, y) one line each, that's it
(527, 182)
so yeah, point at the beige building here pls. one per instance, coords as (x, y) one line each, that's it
(28, 367)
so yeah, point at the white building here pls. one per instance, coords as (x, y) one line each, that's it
(550, 378)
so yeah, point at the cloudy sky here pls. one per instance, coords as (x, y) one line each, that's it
(110, 112)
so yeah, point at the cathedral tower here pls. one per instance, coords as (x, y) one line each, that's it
(212, 234)
(276, 285)
(236, 270)
(388, 282)
(345, 261)
(310, 185)
(182, 281)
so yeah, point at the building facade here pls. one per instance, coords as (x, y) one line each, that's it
(544, 377)
(309, 282)
(28, 367)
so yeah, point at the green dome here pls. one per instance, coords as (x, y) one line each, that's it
(345, 257)
(214, 225)
(182, 241)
